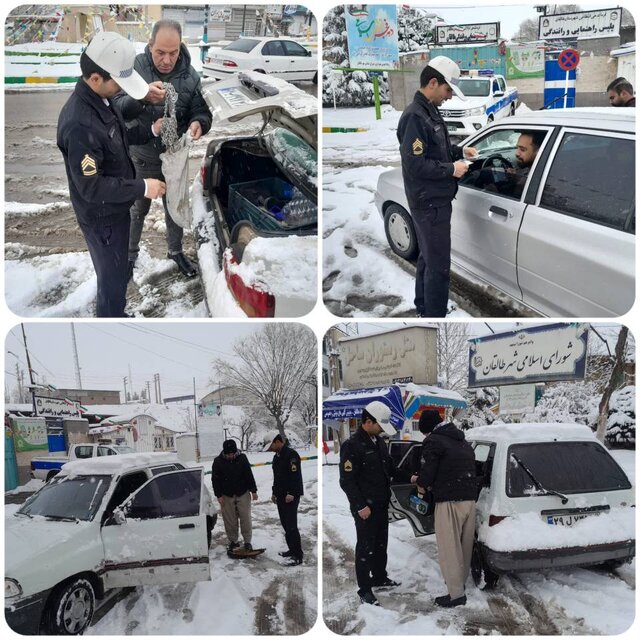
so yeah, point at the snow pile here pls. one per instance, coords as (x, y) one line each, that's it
(22, 209)
(527, 531)
(621, 423)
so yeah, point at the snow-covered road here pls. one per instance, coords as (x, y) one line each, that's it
(567, 602)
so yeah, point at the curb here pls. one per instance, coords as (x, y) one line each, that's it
(344, 129)
(39, 80)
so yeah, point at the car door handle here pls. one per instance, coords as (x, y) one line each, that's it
(499, 211)
(187, 526)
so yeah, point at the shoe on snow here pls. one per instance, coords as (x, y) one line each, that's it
(447, 601)
(367, 597)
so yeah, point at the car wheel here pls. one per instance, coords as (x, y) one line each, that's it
(490, 119)
(480, 572)
(51, 475)
(71, 608)
(513, 109)
(401, 234)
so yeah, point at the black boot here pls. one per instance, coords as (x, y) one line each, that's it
(367, 597)
(187, 268)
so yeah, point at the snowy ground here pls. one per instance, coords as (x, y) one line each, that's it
(361, 274)
(568, 602)
(244, 597)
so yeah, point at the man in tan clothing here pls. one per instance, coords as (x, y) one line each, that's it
(235, 487)
(448, 470)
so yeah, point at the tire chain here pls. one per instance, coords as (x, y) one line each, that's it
(169, 128)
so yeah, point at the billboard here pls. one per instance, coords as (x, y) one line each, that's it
(538, 354)
(29, 434)
(372, 36)
(525, 61)
(56, 407)
(517, 398)
(581, 25)
(468, 33)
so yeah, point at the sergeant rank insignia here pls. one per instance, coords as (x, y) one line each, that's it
(348, 466)
(88, 166)
(418, 147)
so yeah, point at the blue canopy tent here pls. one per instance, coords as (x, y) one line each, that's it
(349, 403)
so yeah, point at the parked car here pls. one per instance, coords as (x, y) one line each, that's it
(47, 467)
(537, 483)
(281, 57)
(565, 245)
(255, 201)
(103, 523)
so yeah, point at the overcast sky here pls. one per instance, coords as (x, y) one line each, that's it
(177, 351)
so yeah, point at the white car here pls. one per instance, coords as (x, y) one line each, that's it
(281, 57)
(550, 496)
(564, 243)
(102, 523)
(255, 201)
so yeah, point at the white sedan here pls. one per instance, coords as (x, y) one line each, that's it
(281, 57)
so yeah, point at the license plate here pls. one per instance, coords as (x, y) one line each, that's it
(566, 520)
(234, 97)
(452, 128)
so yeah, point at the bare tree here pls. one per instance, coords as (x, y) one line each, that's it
(453, 354)
(274, 366)
(246, 428)
(617, 375)
(309, 405)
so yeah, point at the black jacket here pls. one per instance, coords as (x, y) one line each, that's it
(287, 474)
(449, 465)
(94, 143)
(366, 471)
(232, 477)
(190, 105)
(427, 156)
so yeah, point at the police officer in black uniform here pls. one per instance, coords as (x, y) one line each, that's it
(286, 492)
(430, 169)
(94, 141)
(366, 471)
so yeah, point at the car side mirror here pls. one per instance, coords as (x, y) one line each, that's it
(118, 516)
(309, 54)
(498, 94)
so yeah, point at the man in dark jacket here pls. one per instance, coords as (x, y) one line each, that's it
(449, 472)
(430, 170)
(286, 492)
(366, 471)
(165, 60)
(235, 487)
(94, 143)
(620, 93)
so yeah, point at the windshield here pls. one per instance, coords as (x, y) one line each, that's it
(121, 449)
(296, 158)
(473, 88)
(65, 498)
(244, 44)
(566, 467)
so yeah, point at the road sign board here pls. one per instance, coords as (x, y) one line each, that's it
(569, 59)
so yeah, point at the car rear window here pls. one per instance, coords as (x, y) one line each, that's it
(567, 467)
(244, 44)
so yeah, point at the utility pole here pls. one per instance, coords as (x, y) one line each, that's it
(148, 383)
(195, 413)
(76, 360)
(26, 350)
(124, 382)
(19, 379)
(244, 18)
(130, 382)
(205, 37)
(156, 382)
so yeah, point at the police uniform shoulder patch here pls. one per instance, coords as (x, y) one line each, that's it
(418, 147)
(294, 467)
(88, 165)
(348, 466)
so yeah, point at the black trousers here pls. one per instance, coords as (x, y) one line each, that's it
(371, 547)
(433, 231)
(108, 247)
(288, 512)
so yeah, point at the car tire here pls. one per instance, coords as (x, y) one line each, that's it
(51, 475)
(512, 111)
(490, 119)
(401, 234)
(70, 609)
(480, 572)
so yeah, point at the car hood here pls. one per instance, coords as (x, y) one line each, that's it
(456, 104)
(278, 101)
(37, 550)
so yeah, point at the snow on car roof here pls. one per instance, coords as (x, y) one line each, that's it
(530, 432)
(578, 115)
(112, 465)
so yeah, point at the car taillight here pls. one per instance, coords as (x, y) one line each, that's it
(493, 520)
(229, 63)
(255, 302)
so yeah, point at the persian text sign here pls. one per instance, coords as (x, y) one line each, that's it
(30, 434)
(582, 25)
(56, 408)
(540, 354)
(525, 61)
(517, 398)
(468, 33)
(372, 36)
